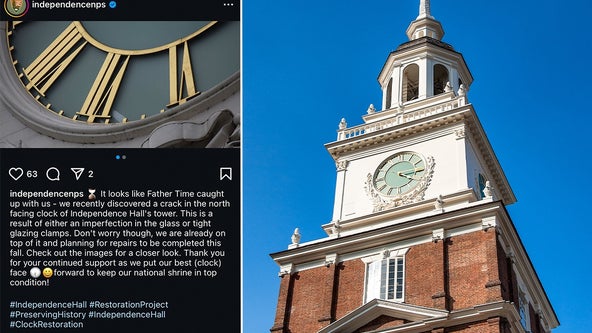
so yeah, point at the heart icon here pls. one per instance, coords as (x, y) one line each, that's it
(15, 173)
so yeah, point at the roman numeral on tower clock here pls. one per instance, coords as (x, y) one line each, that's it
(54, 75)
(187, 80)
(52, 62)
(100, 98)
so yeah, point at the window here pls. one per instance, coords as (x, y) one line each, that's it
(385, 278)
(440, 79)
(410, 83)
(389, 93)
(482, 182)
(524, 311)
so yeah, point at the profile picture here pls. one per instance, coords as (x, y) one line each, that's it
(16, 8)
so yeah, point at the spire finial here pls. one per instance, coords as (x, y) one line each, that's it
(424, 9)
(425, 25)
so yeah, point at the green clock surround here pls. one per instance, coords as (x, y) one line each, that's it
(399, 174)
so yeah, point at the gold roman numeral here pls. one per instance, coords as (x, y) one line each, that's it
(15, 23)
(187, 80)
(102, 94)
(52, 62)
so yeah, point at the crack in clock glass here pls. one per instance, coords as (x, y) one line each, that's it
(117, 72)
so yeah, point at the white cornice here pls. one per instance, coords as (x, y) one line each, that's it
(477, 134)
(423, 319)
(390, 146)
(400, 126)
(375, 308)
(317, 250)
(400, 214)
(523, 265)
(424, 50)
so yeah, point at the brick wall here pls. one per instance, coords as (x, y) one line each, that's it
(473, 269)
(456, 273)
(424, 275)
(350, 287)
(492, 325)
(307, 301)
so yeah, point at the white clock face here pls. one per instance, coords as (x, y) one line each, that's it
(399, 174)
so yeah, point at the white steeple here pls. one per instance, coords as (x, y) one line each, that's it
(425, 25)
(422, 68)
(424, 9)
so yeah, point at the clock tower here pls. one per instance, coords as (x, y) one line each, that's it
(419, 240)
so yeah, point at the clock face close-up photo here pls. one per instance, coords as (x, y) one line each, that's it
(120, 72)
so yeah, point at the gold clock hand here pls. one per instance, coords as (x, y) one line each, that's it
(408, 177)
(411, 171)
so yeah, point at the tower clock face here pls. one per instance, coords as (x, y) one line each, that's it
(118, 72)
(399, 174)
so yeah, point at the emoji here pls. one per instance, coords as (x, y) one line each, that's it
(35, 272)
(47, 272)
(92, 195)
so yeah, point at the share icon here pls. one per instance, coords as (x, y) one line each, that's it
(77, 172)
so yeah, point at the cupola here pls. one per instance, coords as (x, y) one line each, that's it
(424, 67)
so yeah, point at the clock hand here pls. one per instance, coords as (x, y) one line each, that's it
(410, 171)
(401, 174)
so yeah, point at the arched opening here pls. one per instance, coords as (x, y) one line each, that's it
(410, 89)
(440, 79)
(389, 94)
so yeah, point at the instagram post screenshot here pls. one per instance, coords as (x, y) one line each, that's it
(120, 166)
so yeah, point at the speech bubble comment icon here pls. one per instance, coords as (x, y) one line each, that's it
(53, 174)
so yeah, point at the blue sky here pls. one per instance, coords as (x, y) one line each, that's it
(307, 64)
